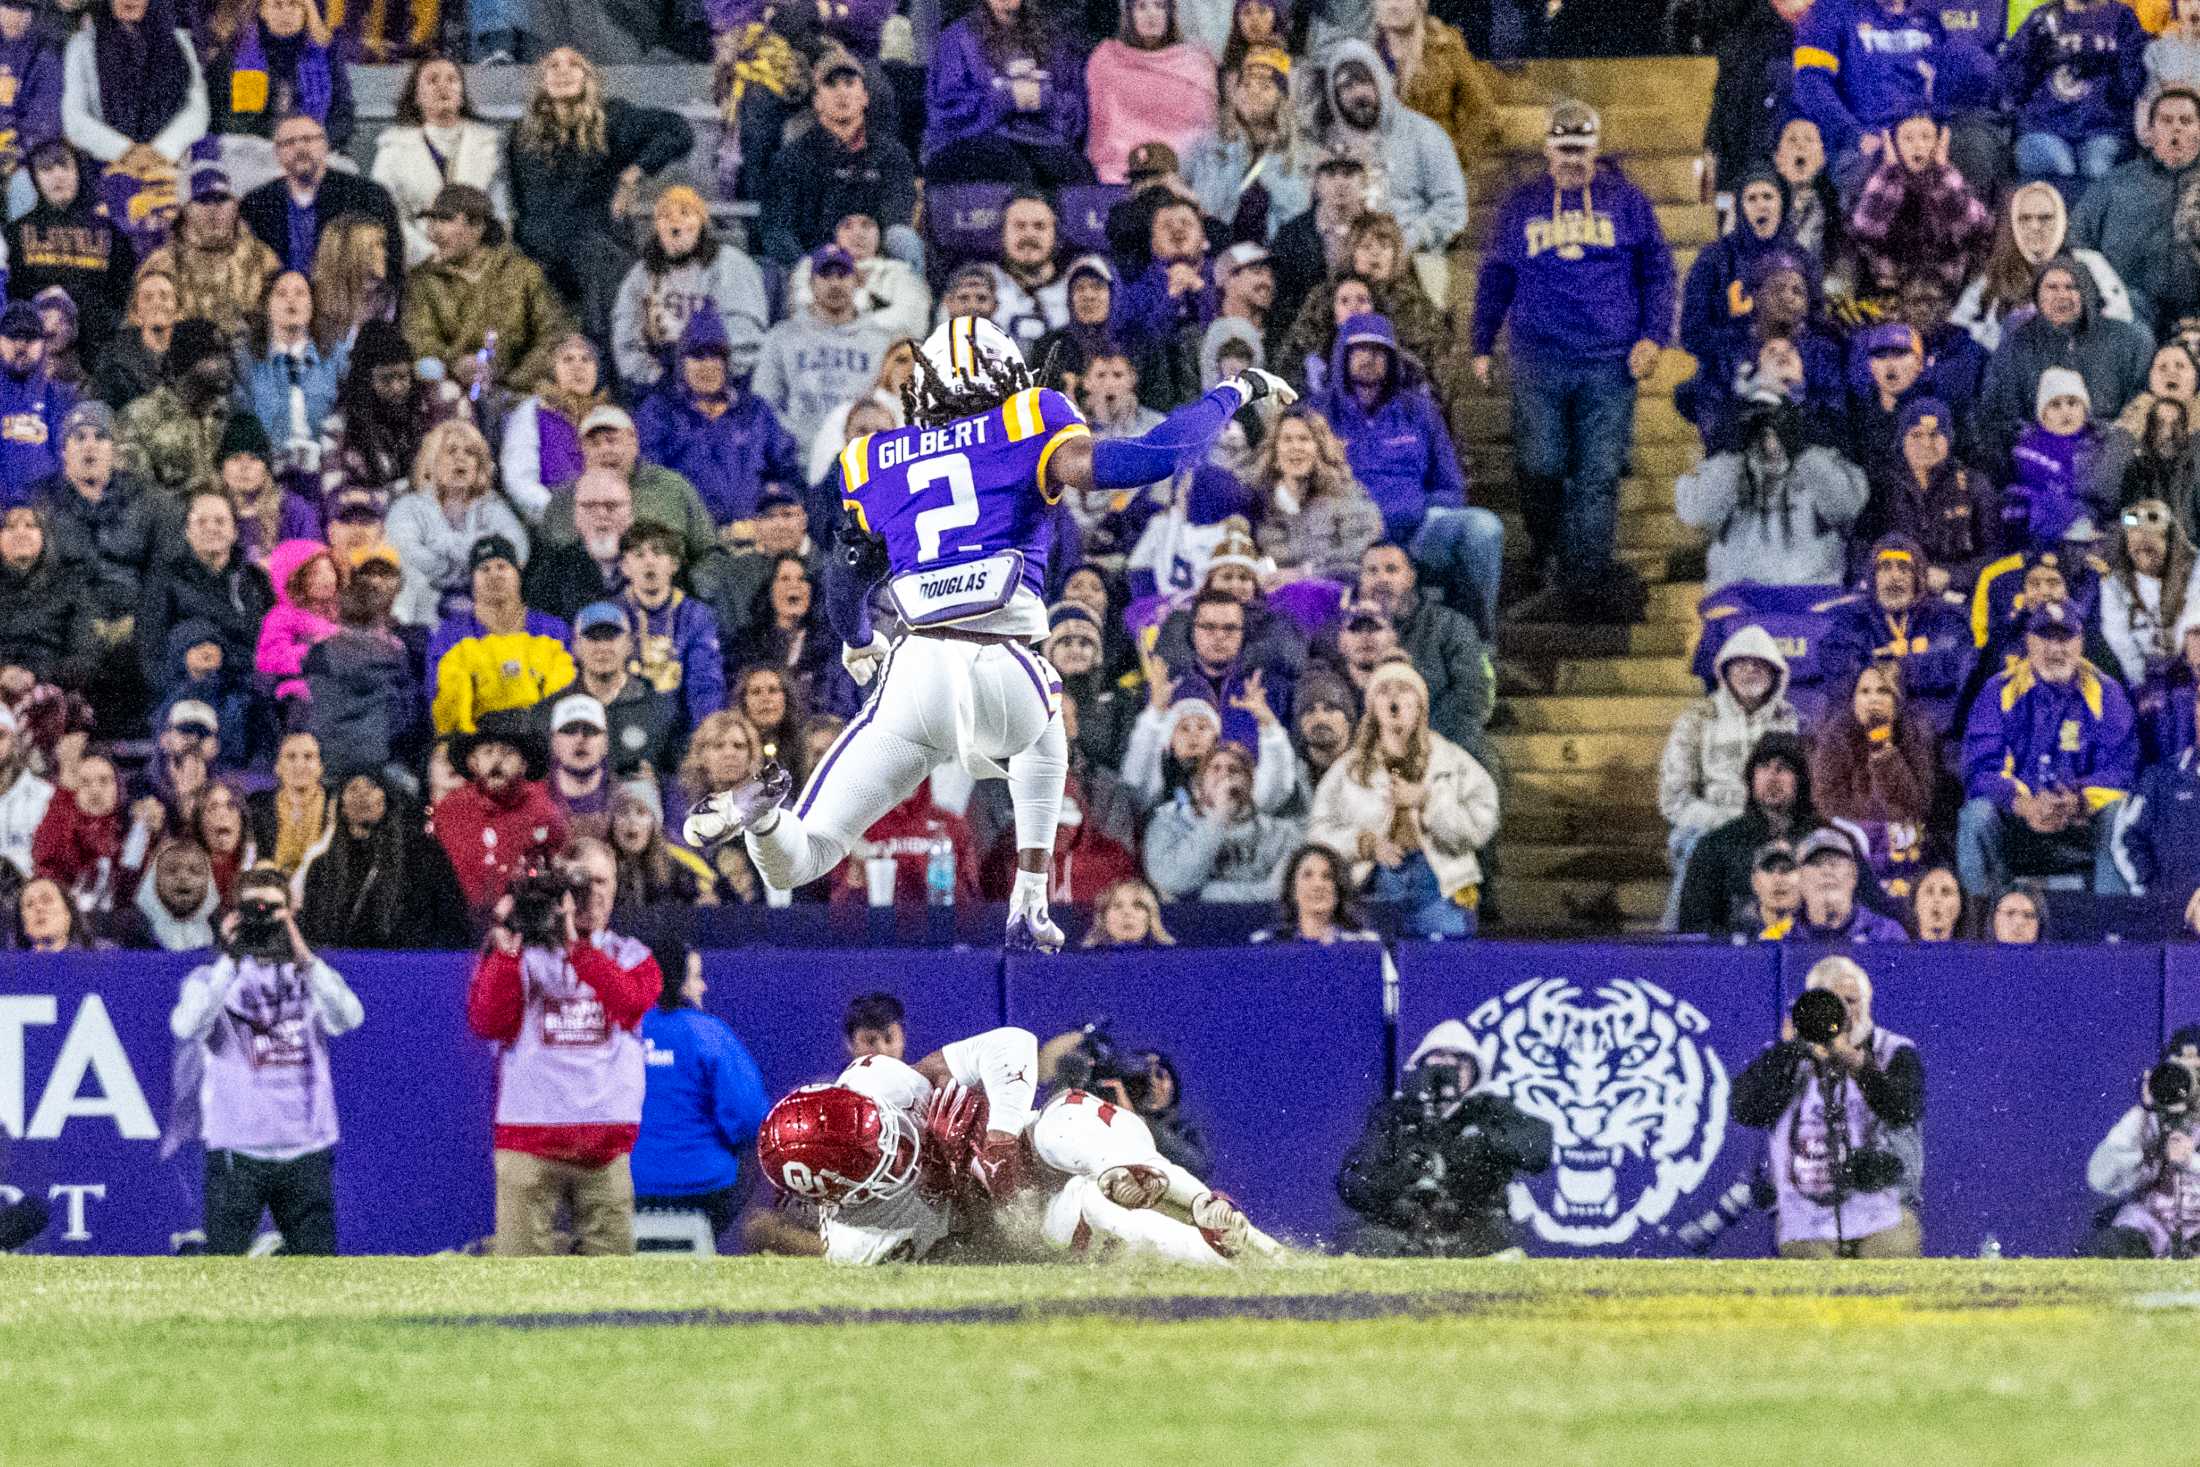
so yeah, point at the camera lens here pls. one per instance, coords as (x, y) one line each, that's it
(1818, 1016)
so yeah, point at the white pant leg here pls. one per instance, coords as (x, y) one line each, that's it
(1078, 1211)
(878, 761)
(1083, 1135)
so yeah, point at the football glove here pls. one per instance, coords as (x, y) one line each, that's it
(863, 662)
(1258, 384)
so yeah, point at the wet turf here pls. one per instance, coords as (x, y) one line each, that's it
(578, 1361)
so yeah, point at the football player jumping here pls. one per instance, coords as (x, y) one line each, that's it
(953, 515)
(900, 1157)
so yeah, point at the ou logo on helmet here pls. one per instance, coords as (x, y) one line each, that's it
(1633, 1093)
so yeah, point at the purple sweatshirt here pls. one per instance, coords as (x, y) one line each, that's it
(30, 93)
(2074, 73)
(1583, 274)
(966, 97)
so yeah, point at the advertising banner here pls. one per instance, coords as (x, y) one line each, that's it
(1628, 1053)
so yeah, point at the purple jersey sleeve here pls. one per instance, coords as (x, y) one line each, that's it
(965, 490)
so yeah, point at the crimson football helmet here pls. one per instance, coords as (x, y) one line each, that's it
(835, 1147)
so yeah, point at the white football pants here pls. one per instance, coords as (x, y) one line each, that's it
(992, 708)
(1084, 1136)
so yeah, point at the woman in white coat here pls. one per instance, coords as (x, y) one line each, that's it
(453, 503)
(1408, 808)
(437, 141)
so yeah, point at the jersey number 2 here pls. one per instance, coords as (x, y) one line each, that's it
(960, 510)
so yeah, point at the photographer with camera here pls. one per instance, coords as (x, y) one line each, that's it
(563, 997)
(254, 1025)
(1143, 1082)
(2150, 1162)
(1428, 1176)
(1843, 1099)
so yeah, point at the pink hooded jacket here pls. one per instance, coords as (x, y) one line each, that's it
(290, 631)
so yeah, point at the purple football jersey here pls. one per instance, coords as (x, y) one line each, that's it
(973, 489)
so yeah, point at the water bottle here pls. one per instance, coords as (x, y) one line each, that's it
(939, 871)
(1990, 1250)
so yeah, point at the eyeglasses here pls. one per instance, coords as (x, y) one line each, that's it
(2137, 518)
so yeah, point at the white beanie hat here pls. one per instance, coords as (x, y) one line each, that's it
(2061, 382)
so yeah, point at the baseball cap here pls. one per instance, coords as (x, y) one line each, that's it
(1340, 162)
(488, 548)
(606, 416)
(381, 552)
(191, 713)
(1573, 125)
(1238, 256)
(19, 322)
(1150, 160)
(1355, 616)
(831, 257)
(1824, 841)
(972, 271)
(598, 615)
(211, 181)
(359, 503)
(1274, 58)
(1891, 336)
(578, 708)
(776, 498)
(89, 414)
(2057, 619)
(1773, 855)
(833, 62)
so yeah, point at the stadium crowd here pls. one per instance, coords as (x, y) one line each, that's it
(393, 516)
(396, 517)
(1946, 372)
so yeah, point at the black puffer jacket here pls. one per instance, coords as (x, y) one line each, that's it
(45, 624)
(236, 599)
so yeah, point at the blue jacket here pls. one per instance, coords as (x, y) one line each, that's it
(31, 410)
(1583, 274)
(1714, 296)
(2159, 844)
(2032, 736)
(1399, 449)
(1980, 23)
(703, 1102)
(730, 458)
(263, 387)
(1864, 925)
(1145, 316)
(1860, 66)
(2075, 72)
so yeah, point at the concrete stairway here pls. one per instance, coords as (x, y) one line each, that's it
(1586, 709)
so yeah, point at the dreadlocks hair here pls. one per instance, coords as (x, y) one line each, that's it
(928, 402)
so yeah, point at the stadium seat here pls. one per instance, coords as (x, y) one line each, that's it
(1083, 210)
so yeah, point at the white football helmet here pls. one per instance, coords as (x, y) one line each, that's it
(967, 352)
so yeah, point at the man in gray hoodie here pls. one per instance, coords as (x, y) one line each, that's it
(2069, 331)
(1412, 172)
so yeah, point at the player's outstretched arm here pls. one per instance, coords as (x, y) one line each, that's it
(1184, 436)
(849, 576)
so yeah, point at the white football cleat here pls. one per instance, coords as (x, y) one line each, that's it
(1031, 929)
(1222, 1223)
(1134, 1187)
(716, 819)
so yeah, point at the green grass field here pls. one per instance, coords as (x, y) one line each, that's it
(1323, 1362)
